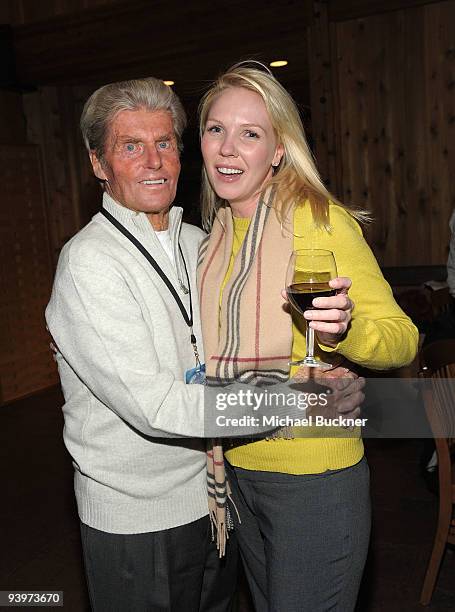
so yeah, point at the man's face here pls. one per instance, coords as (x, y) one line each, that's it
(141, 163)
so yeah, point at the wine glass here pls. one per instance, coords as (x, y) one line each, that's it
(307, 277)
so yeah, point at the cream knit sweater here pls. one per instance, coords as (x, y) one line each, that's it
(123, 348)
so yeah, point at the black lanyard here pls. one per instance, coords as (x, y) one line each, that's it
(164, 278)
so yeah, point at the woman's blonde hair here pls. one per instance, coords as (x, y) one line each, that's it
(296, 177)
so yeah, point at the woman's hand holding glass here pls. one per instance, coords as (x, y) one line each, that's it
(332, 315)
(320, 296)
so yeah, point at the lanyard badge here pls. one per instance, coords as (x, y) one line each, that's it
(196, 375)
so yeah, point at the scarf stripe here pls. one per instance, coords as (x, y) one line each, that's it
(201, 258)
(202, 249)
(247, 253)
(258, 304)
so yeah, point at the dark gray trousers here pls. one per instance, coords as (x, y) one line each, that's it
(168, 571)
(303, 539)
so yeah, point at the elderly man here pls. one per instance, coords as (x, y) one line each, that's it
(125, 320)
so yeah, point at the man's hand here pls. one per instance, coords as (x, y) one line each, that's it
(345, 390)
(304, 373)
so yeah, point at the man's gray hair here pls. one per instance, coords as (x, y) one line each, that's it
(104, 104)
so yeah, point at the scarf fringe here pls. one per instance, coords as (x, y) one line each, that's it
(221, 523)
(229, 512)
(219, 532)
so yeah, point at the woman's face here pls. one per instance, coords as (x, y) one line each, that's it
(239, 147)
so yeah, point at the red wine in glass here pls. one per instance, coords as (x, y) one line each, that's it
(301, 295)
(307, 277)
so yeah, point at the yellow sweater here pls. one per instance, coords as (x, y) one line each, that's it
(380, 337)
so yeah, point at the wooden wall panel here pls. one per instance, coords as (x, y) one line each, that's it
(341, 10)
(394, 111)
(53, 123)
(12, 123)
(323, 103)
(26, 363)
(439, 68)
(90, 192)
(371, 124)
(45, 127)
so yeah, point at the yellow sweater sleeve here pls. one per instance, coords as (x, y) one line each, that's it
(380, 335)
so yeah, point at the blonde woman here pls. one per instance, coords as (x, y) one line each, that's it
(303, 502)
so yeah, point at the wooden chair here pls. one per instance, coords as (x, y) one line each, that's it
(439, 399)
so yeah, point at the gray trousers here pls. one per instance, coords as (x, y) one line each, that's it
(303, 539)
(168, 571)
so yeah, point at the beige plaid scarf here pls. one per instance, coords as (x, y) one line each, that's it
(249, 337)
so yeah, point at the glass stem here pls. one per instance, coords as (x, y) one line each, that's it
(309, 340)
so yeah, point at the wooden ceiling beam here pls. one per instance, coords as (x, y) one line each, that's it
(343, 10)
(192, 40)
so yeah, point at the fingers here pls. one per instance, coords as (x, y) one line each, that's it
(348, 398)
(330, 333)
(333, 372)
(352, 414)
(332, 324)
(328, 315)
(344, 389)
(351, 403)
(342, 284)
(341, 301)
(344, 385)
(333, 331)
(333, 314)
(337, 372)
(335, 308)
(303, 374)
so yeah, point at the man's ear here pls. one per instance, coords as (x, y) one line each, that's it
(97, 166)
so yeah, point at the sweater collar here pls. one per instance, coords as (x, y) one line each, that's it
(138, 224)
(139, 219)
